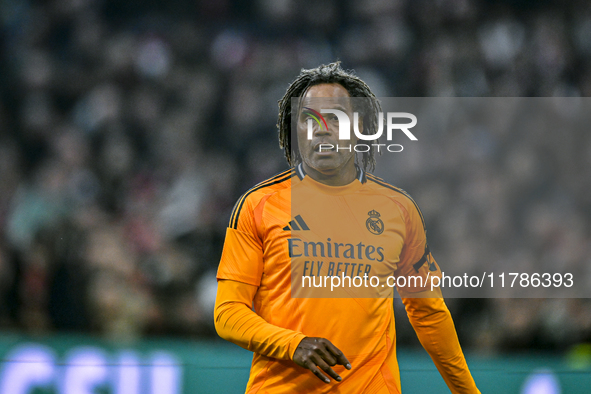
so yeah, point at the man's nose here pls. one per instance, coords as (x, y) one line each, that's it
(320, 129)
(315, 129)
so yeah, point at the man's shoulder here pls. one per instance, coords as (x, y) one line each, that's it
(378, 185)
(273, 184)
(251, 198)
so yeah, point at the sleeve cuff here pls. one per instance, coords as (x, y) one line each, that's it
(293, 344)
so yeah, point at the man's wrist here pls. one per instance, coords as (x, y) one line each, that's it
(293, 344)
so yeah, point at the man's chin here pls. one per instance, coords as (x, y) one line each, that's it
(325, 166)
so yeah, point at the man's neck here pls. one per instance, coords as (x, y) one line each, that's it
(337, 177)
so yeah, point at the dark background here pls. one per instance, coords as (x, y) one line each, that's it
(128, 129)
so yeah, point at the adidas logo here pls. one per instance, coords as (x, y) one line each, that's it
(296, 224)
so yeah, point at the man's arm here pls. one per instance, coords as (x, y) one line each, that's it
(236, 322)
(435, 329)
(426, 309)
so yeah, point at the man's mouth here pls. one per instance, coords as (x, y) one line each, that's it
(324, 147)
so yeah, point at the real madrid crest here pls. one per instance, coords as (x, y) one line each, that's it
(374, 224)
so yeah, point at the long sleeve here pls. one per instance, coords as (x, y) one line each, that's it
(435, 329)
(236, 322)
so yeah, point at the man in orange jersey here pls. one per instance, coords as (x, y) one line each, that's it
(328, 218)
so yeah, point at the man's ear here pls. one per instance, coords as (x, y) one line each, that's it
(361, 124)
(360, 121)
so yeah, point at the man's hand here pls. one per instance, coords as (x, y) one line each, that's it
(315, 353)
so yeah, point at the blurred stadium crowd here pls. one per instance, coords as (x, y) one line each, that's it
(128, 129)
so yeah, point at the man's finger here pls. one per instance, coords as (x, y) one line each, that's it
(326, 368)
(326, 354)
(312, 367)
(340, 357)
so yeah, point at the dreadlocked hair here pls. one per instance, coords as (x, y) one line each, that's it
(327, 73)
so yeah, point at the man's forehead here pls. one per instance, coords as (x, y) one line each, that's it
(327, 96)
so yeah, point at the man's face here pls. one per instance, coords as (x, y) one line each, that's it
(325, 161)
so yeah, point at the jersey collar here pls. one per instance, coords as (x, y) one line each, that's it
(360, 173)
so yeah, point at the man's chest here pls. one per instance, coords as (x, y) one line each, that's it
(327, 235)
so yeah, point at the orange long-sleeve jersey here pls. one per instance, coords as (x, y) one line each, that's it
(290, 228)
